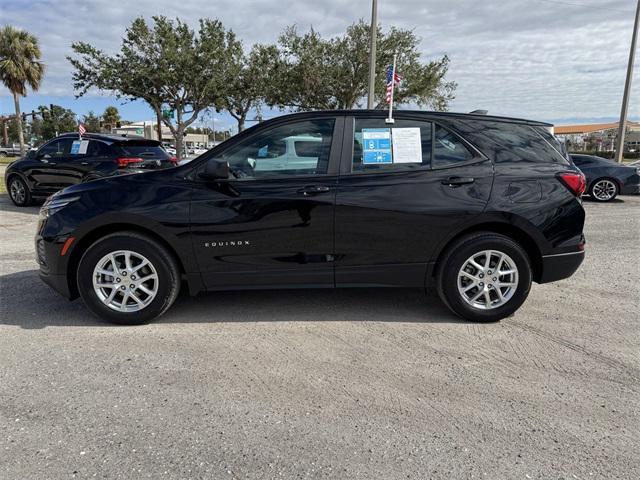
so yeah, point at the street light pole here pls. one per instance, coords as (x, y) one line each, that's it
(627, 90)
(372, 53)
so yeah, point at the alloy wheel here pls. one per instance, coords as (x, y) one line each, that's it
(488, 279)
(125, 281)
(18, 191)
(604, 190)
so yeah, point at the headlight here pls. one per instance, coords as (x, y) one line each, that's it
(54, 203)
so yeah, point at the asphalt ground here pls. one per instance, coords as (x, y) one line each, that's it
(338, 384)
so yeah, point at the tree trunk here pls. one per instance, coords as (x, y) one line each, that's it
(16, 101)
(159, 125)
(5, 131)
(178, 133)
(179, 142)
(241, 120)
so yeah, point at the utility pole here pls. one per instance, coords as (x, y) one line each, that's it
(372, 53)
(627, 90)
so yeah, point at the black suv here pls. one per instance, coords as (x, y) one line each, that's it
(70, 159)
(476, 206)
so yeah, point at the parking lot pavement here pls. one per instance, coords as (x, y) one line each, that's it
(326, 384)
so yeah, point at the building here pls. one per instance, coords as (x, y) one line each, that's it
(148, 130)
(598, 137)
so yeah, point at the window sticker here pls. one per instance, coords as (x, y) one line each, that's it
(79, 147)
(407, 145)
(376, 148)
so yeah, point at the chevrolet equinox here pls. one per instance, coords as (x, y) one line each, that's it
(477, 207)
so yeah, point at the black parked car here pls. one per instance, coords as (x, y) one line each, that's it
(67, 160)
(476, 206)
(607, 178)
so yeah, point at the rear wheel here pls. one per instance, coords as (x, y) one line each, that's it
(484, 277)
(19, 191)
(128, 278)
(603, 190)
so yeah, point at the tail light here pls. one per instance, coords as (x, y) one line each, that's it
(574, 181)
(124, 162)
(173, 159)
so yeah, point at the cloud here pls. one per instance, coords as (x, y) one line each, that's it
(542, 59)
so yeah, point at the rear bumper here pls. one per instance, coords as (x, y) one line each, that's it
(559, 266)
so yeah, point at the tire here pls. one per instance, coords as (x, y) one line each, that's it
(451, 281)
(19, 191)
(604, 189)
(3, 154)
(124, 310)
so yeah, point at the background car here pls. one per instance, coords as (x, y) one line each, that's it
(607, 178)
(67, 160)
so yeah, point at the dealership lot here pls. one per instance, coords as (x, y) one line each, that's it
(326, 384)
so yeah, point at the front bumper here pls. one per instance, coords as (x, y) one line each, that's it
(58, 282)
(53, 265)
(559, 266)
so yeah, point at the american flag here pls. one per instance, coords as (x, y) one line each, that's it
(81, 129)
(393, 79)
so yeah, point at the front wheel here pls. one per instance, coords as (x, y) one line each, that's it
(484, 277)
(603, 190)
(19, 192)
(128, 278)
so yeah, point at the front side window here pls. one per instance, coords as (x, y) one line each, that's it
(403, 145)
(300, 148)
(57, 148)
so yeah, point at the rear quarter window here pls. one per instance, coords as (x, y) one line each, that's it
(516, 142)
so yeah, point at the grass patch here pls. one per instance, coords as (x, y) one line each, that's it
(3, 188)
(7, 160)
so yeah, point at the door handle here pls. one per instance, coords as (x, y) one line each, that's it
(84, 163)
(457, 181)
(313, 190)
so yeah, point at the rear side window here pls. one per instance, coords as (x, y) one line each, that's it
(403, 145)
(448, 149)
(142, 150)
(97, 149)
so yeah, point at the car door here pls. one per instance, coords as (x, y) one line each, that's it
(403, 188)
(269, 226)
(51, 173)
(84, 156)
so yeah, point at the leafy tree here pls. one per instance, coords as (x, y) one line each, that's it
(20, 67)
(317, 73)
(91, 122)
(111, 117)
(166, 63)
(54, 122)
(251, 81)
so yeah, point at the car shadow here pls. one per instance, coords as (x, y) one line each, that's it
(28, 303)
(6, 205)
(591, 200)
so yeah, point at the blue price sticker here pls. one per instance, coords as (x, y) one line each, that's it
(376, 146)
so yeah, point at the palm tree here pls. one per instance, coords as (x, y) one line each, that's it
(19, 66)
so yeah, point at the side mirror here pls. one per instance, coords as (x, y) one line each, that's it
(215, 169)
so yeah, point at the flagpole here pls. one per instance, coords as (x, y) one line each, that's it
(393, 84)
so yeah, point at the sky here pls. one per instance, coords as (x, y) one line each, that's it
(553, 60)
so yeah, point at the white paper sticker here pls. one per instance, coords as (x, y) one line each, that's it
(407, 145)
(84, 144)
